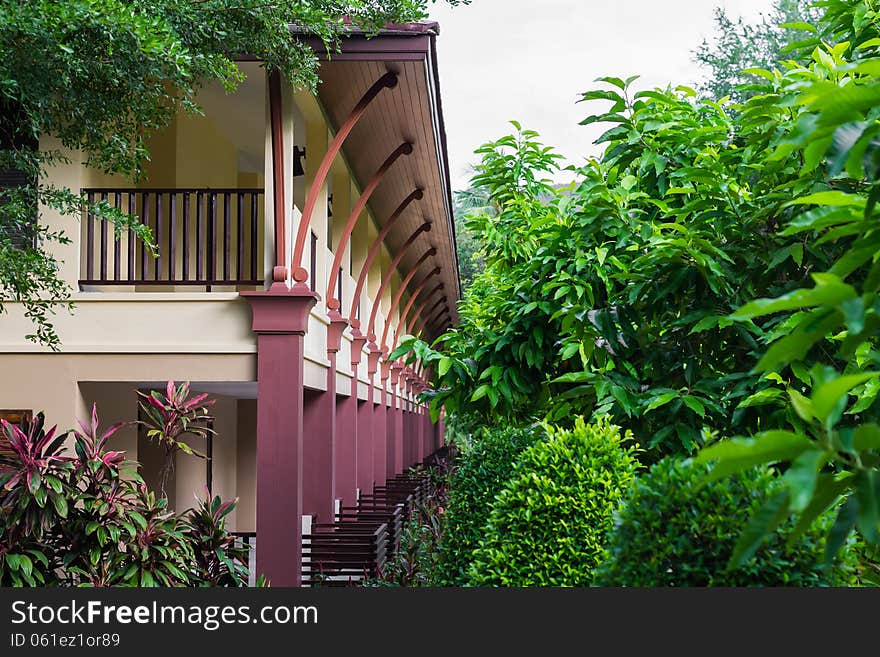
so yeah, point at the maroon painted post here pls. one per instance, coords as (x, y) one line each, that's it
(365, 419)
(343, 444)
(396, 441)
(376, 414)
(280, 320)
(420, 433)
(348, 432)
(381, 472)
(400, 436)
(317, 480)
(319, 440)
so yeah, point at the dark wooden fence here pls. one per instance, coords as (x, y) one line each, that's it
(205, 237)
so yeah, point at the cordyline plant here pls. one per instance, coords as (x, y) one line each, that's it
(87, 519)
(168, 418)
(219, 559)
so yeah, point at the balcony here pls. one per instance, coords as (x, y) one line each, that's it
(206, 238)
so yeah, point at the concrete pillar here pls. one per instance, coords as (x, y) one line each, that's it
(280, 320)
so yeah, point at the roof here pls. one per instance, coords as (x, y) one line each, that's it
(411, 111)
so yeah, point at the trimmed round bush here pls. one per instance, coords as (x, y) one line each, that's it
(483, 466)
(675, 529)
(548, 525)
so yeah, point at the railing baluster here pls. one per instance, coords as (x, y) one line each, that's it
(172, 233)
(212, 237)
(117, 236)
(157, 265)
(185, 236)
(254, 232)
(239, 262)
(199, 233)
(131, 206)
(217, 237)
(90, 239)
(226, 253)
(145, 218)
(103, 267)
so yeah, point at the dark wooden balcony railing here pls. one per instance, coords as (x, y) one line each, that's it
(205, 237)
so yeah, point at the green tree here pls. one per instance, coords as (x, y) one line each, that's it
(738, 46)
(111, 72)
(826, 331)
(465, 203)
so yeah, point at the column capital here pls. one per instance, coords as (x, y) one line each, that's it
(373, 359)
(357, 347)
(281, 310)
(335, 329)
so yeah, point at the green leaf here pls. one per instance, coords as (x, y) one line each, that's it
(802, 477)
(444, 365)
(738, 454)
(480, 392)
(829, 290)
(866, 436)
(830, 198)
(695, 405)
(661, 400)
(575, 377)
(802, 406)
(763, 523)
(60, 504)
(760, 398)
(842, 527)
(826, 397)
(867, 492)
(828, 489)
(139, 519)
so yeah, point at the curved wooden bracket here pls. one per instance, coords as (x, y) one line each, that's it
(397, 297)
(404, 149)
(436, 305)
(387, 81)
(424, 228)
(414, 195)
(407, 323)
(436, 317)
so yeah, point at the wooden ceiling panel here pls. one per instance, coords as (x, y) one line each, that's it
(402, 113)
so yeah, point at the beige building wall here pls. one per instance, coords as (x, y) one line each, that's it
(118, 339)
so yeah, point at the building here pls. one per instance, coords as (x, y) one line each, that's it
(299, 237)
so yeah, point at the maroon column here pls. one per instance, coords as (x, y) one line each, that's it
(280, 320)
(402, 436)
(366, 413)
(381, 442)
(342, 441)
(319, 437)
(347, 437)
(430, 433)
(317, 471)
(420, 432)
(374, 414)
(396, 436)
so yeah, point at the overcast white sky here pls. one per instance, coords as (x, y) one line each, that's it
(529, 60)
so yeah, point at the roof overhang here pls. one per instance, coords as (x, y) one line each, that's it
(412, 112)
